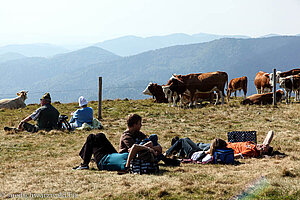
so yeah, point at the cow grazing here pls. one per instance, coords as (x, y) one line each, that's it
(280, 74)
(266, 98)
(237, 84)
(155, 90)
(289, 84)
(15, 103)
(262, 82)
(196, 83)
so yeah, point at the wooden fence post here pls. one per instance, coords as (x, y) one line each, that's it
(274, 88)
(100, 98)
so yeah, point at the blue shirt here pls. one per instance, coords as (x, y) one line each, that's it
(83, 115)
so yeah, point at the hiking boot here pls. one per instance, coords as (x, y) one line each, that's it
(10, 129)
(81, 167)
(174, 140)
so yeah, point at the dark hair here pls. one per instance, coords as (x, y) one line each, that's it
(270, 151)
(133, 119)
(217, 144)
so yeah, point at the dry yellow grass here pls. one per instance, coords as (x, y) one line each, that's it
(41, 162)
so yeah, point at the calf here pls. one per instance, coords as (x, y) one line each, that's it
(266, 98)
(262, 82)
(237, 84)
(289, 84)
(156, 91)
(15, 103)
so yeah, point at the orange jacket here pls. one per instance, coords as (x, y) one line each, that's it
(247, 149)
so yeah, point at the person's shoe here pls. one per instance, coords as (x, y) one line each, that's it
(10, 129)
(81, 167)
(174, 140)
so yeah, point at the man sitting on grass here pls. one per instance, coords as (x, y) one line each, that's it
(105, 154)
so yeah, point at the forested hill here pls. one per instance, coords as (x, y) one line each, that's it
(126, 77)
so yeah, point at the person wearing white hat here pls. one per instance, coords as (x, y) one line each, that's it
(82, 115)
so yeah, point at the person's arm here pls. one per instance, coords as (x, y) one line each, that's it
(134, 150)
(28, 118)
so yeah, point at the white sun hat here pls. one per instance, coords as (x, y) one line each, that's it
(82, 101)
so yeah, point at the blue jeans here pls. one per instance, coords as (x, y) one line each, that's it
(186, 147)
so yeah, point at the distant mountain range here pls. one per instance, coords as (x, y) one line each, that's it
(10, 56)
(69, 75)
(33, 50)
(132, 45)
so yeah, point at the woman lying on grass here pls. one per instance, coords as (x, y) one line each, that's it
(188, 149)
(106, 156)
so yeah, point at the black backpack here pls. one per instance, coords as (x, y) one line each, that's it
(63, 120)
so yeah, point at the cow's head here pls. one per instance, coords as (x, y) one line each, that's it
(23, 94)
(271, 76)
(147, 91)
(280, 95)
(168, 92)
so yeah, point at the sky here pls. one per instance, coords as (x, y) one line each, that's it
(91, 21)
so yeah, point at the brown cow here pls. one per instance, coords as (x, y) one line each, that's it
(196, 83)
(266, 98)
(262, 82)
(155, 90)
(237, 84)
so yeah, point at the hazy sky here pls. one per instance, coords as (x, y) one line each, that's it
(90, 21)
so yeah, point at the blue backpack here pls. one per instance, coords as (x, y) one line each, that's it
(224, 156)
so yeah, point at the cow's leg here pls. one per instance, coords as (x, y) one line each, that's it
(235, 94)
(222, 96)
(181, 100)
(191, 99)
(218, 96)
(174, 100)
(228, 95)
(245, 92)
(258, 91)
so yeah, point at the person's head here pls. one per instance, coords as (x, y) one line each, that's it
(264, 149)
(217, 144)
(134, 121)
(82, 102)
(46, 98)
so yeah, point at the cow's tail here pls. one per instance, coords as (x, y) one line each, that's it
(226, 85)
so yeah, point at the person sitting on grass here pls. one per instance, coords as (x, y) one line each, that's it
(101, 147)
(188, 149)
(106, 156)
(46, 117)
(82, 115)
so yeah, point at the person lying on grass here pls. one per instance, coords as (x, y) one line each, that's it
(188, 149)
(106, 156)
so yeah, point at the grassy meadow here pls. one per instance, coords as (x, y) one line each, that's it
(42, 162)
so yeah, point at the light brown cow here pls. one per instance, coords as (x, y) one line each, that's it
(237, 84)
(15, 103)
(266, 98)
(262, 82)
(197, 83)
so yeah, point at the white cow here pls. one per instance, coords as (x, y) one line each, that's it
(15, 103)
